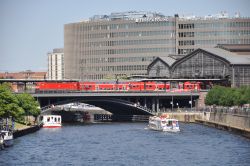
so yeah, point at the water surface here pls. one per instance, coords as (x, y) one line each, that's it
(128, 144)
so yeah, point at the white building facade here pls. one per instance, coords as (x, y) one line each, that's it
(56, 64)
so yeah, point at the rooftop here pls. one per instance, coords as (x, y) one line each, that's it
(237, 48)
(232, 57)
(133, 15)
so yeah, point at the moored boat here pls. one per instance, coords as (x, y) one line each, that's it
(163, 123)
(7, 138)
(51, 121)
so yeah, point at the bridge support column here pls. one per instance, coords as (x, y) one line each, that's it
(157, 105)
(25, 86)
(153, 104)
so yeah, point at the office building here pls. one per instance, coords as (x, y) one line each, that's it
(124, 44)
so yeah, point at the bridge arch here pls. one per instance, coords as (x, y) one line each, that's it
(115, 106)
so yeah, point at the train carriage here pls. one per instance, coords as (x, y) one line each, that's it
(115, 86)
(57, 86)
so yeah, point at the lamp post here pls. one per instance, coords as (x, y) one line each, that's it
(172, 103)
(191, 101)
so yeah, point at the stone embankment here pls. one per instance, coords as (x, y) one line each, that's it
(236, 122)
(26, 130)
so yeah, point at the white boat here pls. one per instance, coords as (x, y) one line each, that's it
(52, 121)
(163, 123)
(7, 138)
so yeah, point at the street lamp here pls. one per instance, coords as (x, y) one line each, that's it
(191, 101)
(172, 103)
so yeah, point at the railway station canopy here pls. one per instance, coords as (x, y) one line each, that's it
(208, 63)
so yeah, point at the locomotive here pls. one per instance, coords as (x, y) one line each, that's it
(114, 86)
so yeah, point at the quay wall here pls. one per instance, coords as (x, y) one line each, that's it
(183, 116)
(22, 132)
(235, 122)
(238, 123)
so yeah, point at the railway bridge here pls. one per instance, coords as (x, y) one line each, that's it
(124, 103)
(121, 102)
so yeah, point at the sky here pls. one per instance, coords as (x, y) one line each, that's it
(29, 29)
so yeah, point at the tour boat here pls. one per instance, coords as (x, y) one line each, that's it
(163, 123)
(51, 121)
(7, 138)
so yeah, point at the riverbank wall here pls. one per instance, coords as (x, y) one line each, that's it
(25, 131)
(238, 123)
(183, 116)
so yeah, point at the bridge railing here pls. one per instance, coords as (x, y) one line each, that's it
(228, 110)
(111, 91)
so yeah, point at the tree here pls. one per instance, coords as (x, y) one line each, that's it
(214, 95)
(239, 96)
(246, 95)
(8, 103)
(5, 87)
(227, 97)
(29, 104)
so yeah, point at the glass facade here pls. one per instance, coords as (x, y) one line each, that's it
(124, 44)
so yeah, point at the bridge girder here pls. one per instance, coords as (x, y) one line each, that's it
(115, 106)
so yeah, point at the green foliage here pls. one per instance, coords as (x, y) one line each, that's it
(29, 104)
(5, 87)
(16, 106)
(224, 96)
(213, 95)
(8, 103)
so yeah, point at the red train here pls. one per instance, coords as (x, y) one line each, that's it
(125, 86)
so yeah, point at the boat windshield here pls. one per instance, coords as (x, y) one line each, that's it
(169, 123)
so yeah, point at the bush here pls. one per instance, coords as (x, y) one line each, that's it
(225, 96)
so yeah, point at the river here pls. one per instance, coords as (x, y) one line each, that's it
(129, 144)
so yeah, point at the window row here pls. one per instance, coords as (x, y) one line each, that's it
(222, 33)
(186, 34)
(185, 51)
(221, 24)
(132, 25)
(186, 42)
(129, 42)
(128, 51)
(222, 41)
(113, 68)
(105, 76)
(186, 26)
(129, 34)
(120, 59)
